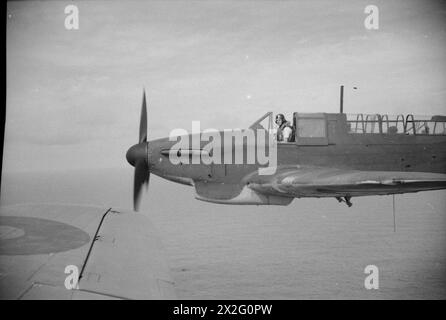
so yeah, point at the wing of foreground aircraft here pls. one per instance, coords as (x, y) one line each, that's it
(117, 254)
(297, 181)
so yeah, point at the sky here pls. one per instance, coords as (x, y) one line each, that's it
(74, 96)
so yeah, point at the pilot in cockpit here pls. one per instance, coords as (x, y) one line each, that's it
(284, 130)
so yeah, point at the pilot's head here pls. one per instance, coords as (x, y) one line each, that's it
(280, 118)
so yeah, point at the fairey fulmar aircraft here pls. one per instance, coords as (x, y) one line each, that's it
(332, 155)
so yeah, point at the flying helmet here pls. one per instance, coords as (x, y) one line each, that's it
(280, 116)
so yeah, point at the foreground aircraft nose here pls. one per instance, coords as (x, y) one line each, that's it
(136, 152)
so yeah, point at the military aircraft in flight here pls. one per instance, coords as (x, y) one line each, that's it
(332, 155)
(55, 251)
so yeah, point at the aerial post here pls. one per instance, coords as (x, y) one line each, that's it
(341, 102)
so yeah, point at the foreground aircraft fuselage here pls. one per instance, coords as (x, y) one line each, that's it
(331, 156)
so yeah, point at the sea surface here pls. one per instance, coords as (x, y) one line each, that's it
(311, 249)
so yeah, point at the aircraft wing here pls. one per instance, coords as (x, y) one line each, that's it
(116, 253)
(330, 182)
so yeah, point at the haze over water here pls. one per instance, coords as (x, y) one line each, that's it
(312, 249)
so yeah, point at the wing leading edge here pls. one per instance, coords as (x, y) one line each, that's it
(117, 254)
(329, 182)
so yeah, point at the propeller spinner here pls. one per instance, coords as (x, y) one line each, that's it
(137, 156)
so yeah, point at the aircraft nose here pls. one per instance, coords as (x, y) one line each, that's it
(135, 152)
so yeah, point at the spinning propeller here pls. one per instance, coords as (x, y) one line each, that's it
(137, 156)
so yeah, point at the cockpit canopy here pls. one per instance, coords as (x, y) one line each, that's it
(396, 124)
(312, 128)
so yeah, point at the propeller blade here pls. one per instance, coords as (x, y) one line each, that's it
(137, 157)
(142, 176)
(143, 120)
